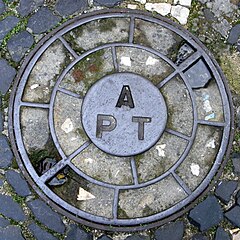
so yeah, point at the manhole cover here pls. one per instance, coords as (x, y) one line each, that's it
(120, 120)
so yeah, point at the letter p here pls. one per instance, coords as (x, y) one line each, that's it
(105, 123)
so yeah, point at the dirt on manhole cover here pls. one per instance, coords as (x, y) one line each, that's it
(120, 120)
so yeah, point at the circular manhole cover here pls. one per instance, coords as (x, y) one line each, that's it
(120, 120)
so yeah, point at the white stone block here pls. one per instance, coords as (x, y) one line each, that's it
(161, 8)
(180, 13)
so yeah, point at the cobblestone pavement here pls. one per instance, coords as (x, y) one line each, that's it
(22, 24)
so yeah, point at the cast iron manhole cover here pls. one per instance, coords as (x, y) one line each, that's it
(120, 120)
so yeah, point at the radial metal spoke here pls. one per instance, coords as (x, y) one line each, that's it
(167, 79)
(211, 123)
(35, 105)
(182, 183)
(134, 171)
(79, 150)
(53, 170)
(178, 134)
(70, 93)
(68, 47)
(189, 61)
(131, 30)
(114, 57)
(61, 164)
(115, 204)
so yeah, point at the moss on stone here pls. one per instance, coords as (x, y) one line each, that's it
(231, 68)
(138, 159)
(81, 132)
(50, 151)
(106, 25)
(122, 213)
(147, 211)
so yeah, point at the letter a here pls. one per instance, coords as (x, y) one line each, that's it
(125, 98)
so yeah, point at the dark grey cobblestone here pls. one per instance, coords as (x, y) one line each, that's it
(201, 217)
(4, 222)
(1, 116)
(225, 190)
(236, 163)
(172, 231)
(11, 233)
(19, 185)
(19, 44)
(238, 198)
(6, 25)
(65, 8)
(46, 215)
(104, 237)
(221, 234)
(7, 75)
(2, 7)
(39, 233)
(1, 182)
(28, 6)
(11, 209)
(107, 3)
(199, 236)
(6, 155)
(42, 21)
(137, 237)
(76, 233)
(234, 34)
(233, 216)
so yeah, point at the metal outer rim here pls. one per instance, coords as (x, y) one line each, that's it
(87, 222)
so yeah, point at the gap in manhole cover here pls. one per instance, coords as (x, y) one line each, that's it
(121, 120)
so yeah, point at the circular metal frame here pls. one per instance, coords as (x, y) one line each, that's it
(88, 219)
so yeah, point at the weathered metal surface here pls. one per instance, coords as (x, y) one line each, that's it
(133, 91)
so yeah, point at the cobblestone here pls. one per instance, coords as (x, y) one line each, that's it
(225, 190)
(11, 209)
(200, 236)
(233, 216)
(28, 6)
(19, 44)
(6, 155)
(172, 231)
(104, 237)
(234, 34)
(65, 8)
(238, 198)
(107, 3)
(19, 185)
(201, 217)
(139, 237)
(6, 25)
(39, 233)
(221, 234)
(11, 233)
(1, 117)
(2, 7)
(46, 215)
(42, 21)
(75, 233)
(236, 163)
(4, 222)
(7, 75)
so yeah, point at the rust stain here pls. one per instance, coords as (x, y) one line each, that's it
(78, 75)
(93, 68)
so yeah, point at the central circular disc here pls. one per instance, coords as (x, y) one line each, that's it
(124, 114)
